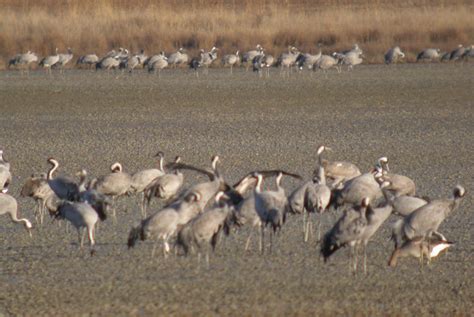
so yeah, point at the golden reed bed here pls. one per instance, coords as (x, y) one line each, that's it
(90, 26)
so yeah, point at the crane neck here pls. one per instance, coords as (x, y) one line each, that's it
(389, 197)
(82, 183)
(258, 187)
(14, 217)
(52, 169)
(161, 164)
(278, 181)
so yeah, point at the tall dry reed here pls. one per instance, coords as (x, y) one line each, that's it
(98, 26)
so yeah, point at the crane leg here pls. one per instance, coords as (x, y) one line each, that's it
(421, 255)
(319, 227)
(154, 249)
(36, 211)
(247, 244)
(262, 235)
(365, 258)
(304, 225)
(309, 228)
(271, 241)
(42, 211)
(90, 232)
(113, 210)
(166, 249)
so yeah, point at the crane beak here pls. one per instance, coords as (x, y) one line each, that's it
(30, 233)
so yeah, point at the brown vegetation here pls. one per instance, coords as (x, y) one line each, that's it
(98, 26)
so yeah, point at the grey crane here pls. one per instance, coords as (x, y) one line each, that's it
(246, 214)
(23, 59)
(142, 179)
(351, 59)
(420, 248)
(317, 198)
(203, 231)
(49, 61)
(288, 59)
(178, 58)
(339, 172)
(308, 60)
(429, 54)
(375, 218)
(424, 221)
(245, 211)
(354, 190)
(9, 206)
(108, 63)
(267, 62)
(63, 186)
(164, 224)
(347, 231)
(326, 62)
(271, 207)
(216, 183)
(263, 62)
(312, 196)
(457, 53)
(150, 60)
(123, 55)
(231, 60)
(206, 190)
(164, 187)
(401, 185)
(91, 196)
(89, 60)
(258, 64)
(5, 174)
(469, 52)
(131, 63)
(158, 64)
(115, 184)
(445, 56)
(141, 56)
(64, 58)
(248, 57)
(37, 187)
(393, 55)
(404, 205)
(195, 64)
(81, 215)
(4, 162)
(207, 58)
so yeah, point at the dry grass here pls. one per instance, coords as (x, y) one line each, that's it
(98, 26)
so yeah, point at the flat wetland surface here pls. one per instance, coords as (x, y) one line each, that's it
(420, 116)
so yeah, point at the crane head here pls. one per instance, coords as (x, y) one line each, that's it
(214, 161)
(459, 191)
(365, 202)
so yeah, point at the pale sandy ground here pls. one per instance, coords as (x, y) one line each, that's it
(420, 116)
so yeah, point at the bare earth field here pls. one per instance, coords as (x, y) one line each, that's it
(420, 116)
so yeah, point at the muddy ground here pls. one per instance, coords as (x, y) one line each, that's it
(420, 116)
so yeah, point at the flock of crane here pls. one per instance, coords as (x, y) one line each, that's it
(193, 218)
(258, 59)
